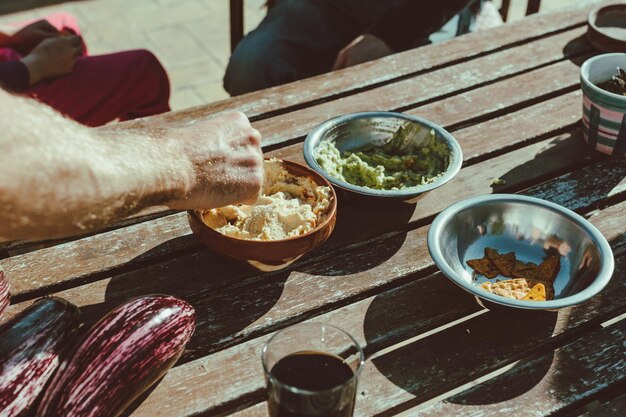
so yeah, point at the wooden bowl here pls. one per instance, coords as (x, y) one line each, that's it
(606, 27)
(270, 255)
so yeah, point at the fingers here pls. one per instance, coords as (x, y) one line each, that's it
(74, 40)
(254, 185)
(75, 43)
(47, 27)
(254, 137)
(43, 29)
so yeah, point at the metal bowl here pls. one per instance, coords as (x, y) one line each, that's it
(531, 228)
(356, 130)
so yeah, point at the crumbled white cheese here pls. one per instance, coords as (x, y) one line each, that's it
(288, 206)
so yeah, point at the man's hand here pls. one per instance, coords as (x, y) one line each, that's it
(53, 57)
(28, 37)
(226, 162)
(60, 178)
(362, 49)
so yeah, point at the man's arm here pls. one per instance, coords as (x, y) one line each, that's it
(60, 178)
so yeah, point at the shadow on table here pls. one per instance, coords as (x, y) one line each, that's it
(433, 364)
(572, 50)
(227, 309)
(359, 221)
(232, 301)
(569, 144)
(580, 190)
(455, 355)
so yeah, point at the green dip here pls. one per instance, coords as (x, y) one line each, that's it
(396, 165)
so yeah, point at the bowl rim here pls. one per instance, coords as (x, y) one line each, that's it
(584, 70)
(456, 160)
(606, 253)
(331, 213)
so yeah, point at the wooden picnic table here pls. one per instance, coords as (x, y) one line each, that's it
(511, 97)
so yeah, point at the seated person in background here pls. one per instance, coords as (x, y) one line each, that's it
(303, 38)
(60, 178)
(48, 60)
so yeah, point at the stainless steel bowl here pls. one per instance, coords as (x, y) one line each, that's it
(530, 227)
(356, 130)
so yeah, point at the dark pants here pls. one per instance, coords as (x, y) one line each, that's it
(299, 39)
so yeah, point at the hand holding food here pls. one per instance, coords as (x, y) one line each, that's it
(224, 162)
(289, 206)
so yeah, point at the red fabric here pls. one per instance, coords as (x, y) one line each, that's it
(123, 85)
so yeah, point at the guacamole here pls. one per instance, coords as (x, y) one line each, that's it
(398, 164)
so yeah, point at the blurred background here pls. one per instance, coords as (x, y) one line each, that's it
(191, 38)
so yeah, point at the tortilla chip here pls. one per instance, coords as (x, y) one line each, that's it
(505, 263)
(524, 270)
(491, 253)
(484, 267)
(517, 288)
(549, 268)
(537, 293)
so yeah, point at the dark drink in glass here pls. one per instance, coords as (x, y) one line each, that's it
(312, 370)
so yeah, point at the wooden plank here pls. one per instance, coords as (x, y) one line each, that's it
(376, 322)
(612, 408)
(202, 272)
(432, 313)
(499, 97)
(453, 110)
(385, 70)
(544, 384)
(591, 355)
(23, 246)
(427, 87)
(233, 307)
(77, 261)
(26, 246)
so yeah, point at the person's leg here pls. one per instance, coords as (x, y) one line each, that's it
(297, 39)
(123, 85)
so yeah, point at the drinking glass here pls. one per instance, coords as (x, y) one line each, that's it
(312, 369)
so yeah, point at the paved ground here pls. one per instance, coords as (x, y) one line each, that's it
(190, 37)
